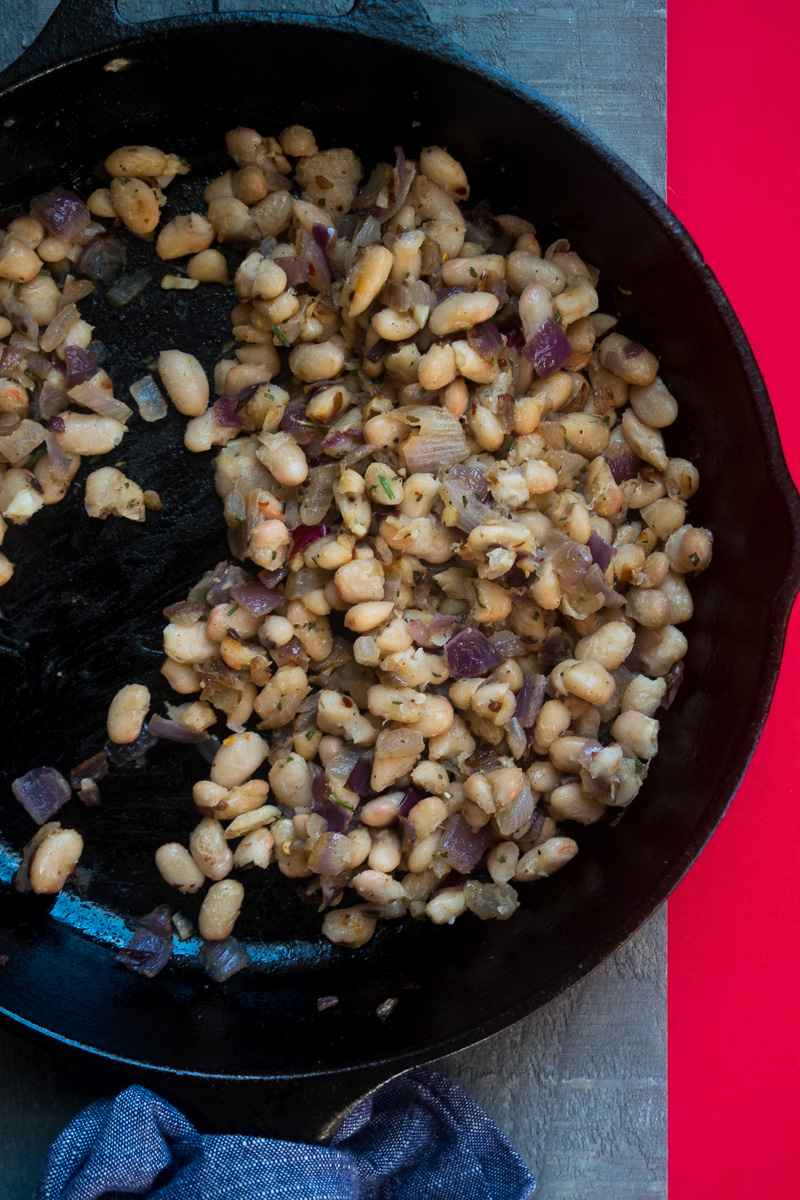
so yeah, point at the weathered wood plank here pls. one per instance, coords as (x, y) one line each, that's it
(580, 1087)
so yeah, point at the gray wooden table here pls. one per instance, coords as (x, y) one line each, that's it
(580, 1086)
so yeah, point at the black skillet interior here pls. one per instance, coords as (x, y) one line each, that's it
(82, 614)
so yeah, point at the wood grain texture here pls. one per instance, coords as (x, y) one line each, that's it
(580, 1086)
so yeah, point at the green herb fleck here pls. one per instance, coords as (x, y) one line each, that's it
(557, 317)
(478, 596)
(473, 273)
(606, 420)
(637, 766)
(239, 518)
(231, 611)
(281, 336)
(341, 803)
(280, 705)
(309, 735)
(44, 271)
(387, 487)
(465, 501)
(694, 560)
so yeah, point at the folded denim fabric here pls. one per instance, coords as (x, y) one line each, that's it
(417, 1138)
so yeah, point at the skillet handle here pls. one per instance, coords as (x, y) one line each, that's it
(78, 27)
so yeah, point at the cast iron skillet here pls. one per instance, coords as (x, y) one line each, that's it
(82, 614)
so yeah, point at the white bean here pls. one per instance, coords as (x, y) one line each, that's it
(185, 381)
(178, 868)
(210, 851)
(127, 712)
(54, 861)
(220, 910)
(239, 756)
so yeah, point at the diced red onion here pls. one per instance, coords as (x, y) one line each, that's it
(40, 364)
(602, 551)
(102, 260)
(571, 562)
(431, 633)
(462, 846)
(486, 340)
(56, 425)
(516, 737)
(121, 754)
(319, 275)
(498, 289)
(221, 960)
(184, 612)
(514, 818)
(530, 699)
(257, 599)
(595, 582)
(81, 365)
(295, 422)
(396, 295)
(225, 414)
(330, 889)
(473, 477)
(510, 325)
(303, 535)
(482, 220)
(295, 269)
(469, 654)
(507, 643)
(444, 293)
(340, 442)
(94, 768)
(25, 438)
(368, 234)
(128, 287)
(23, 320)
(358, 780)
(271, 579)
(10, 423)
(548, 349)
(463, 494)
(172, 731)
(336, 816)
(89, 395)
(623, 466)
(345, 225)
(208, 749)
(674, 680)
(41, 792)
(63, 214)
(330, 854)
(412, 796)
(225, 577)
(52, 400)
(323, 235)
(148, 398)
(150, 948)
(556, 646)
(403, 178)
(377, 350)
(89, 793)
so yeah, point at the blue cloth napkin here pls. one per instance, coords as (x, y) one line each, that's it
(417, 1138)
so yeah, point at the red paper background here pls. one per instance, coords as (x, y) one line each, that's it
(733, 76)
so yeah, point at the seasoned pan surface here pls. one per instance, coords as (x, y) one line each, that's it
(82, 614)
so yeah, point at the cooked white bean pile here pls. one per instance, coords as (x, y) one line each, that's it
(473, 544)
(468, 544)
